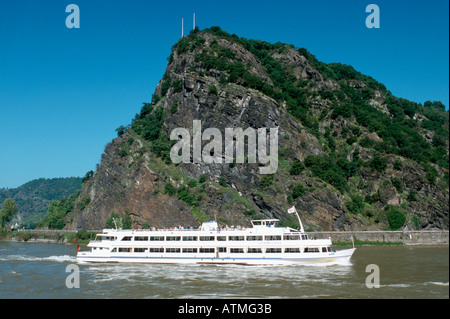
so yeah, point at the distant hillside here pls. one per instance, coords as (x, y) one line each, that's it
(34, 197)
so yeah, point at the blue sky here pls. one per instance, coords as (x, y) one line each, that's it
(63, 92)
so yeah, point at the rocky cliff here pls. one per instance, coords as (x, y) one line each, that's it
(350, 155)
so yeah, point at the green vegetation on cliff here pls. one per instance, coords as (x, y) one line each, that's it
(350, 153)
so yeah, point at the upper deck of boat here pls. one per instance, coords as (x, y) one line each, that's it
(263, 226)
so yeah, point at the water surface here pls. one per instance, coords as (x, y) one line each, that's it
(34, 270)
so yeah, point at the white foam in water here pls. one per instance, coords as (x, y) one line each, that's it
(438, 283)
(65, 258)
(397, 285)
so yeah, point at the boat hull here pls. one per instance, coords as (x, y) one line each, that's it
(310, 258)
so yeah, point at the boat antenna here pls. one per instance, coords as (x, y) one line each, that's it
(292, 210)
(114, 220)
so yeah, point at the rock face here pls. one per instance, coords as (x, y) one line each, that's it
(136, 177)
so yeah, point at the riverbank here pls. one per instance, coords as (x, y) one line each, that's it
(50, 236)
(339, 237)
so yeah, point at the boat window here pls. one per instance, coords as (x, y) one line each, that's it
(252, 238)
(304, 237)
(189, 250)
(108, 238)
(189, 238)
(254, 250)
(237, 250)
(173, 250)
(125, 250)
(141, 238)
(273, 250)
(256, 223)
(140, 250)
(206, 238)
(173, 238)
(292, 250)
(311, 249)
(114, 250)
(291, 237)
(236, 238)
(222, 249)
(156, 250)
(272, 237)
(156, 238)
(221, 238)
(207, 250)
(329, 249)
(324, 249)
(127, 238)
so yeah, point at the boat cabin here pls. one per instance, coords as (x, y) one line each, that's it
(265, 223)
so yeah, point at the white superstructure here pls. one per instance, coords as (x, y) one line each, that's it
(261, 244)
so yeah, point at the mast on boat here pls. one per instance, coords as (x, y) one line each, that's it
(292, 210)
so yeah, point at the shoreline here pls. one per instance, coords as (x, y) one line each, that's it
(339, 238)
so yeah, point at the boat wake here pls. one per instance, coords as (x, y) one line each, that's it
(62, 259)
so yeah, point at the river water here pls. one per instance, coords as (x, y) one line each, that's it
(35, 270)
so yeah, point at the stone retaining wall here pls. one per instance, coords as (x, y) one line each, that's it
(405, 237)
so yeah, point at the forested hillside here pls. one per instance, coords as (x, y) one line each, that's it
(34, 197)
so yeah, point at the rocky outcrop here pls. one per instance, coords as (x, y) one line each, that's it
(134, 179)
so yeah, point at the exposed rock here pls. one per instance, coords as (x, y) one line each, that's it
(131, 179)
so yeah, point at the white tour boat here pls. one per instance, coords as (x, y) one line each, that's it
(261, 244)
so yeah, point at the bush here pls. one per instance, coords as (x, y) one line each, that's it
(412, 196)
(177, 86)
(223, 181)
(378, 163)
(397, 183)
(298, 191)
(213, 90)
(396, 218)
(297, 167)
(169, 189)
(266, 181)
(187, 196)
(192, 183)
(356, 205)
(329, 170)
(165, 85)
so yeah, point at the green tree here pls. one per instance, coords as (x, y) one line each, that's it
(121, 130)
(126, 221)
(110, 221)
(9, 209)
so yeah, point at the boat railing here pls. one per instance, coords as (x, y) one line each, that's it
(232, 228)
